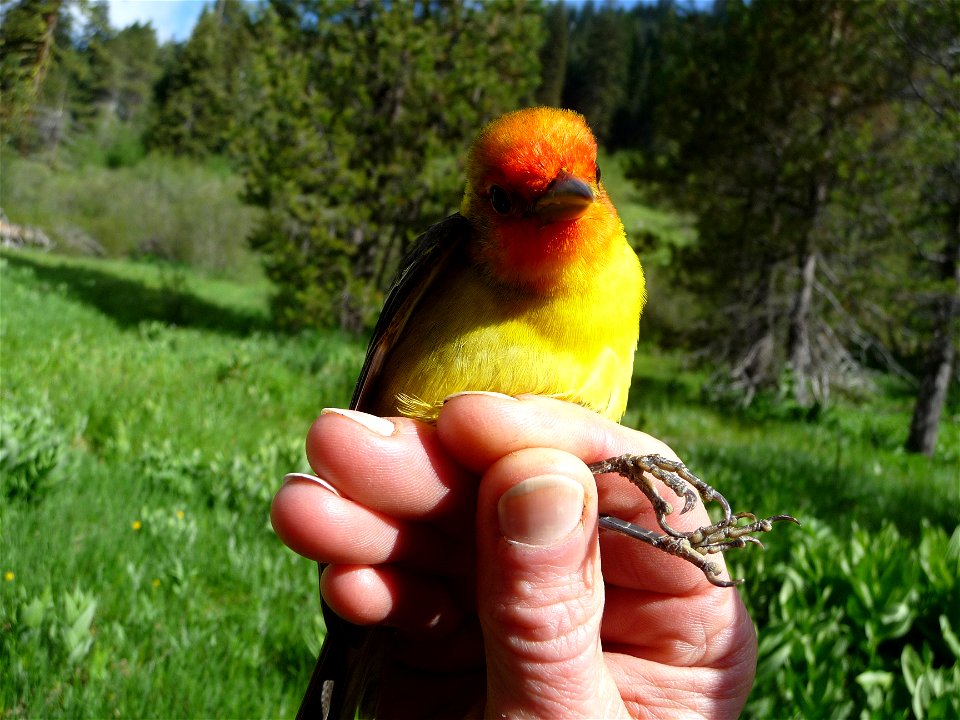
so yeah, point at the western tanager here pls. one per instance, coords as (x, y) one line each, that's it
(530, 288)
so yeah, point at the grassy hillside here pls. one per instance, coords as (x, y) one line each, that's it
(148, 414)
(172, 208)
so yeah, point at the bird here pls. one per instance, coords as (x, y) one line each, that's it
(532, 287)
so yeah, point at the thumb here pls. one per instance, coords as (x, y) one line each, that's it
(540, 592)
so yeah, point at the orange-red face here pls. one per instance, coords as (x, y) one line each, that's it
(534, 195)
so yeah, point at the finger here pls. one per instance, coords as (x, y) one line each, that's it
(676, 630)
(540, 592)
(711, 677)
(637, 566)
(478, 429)
(653, 690)
(395, 466)
(413, 603)
(322, 526)
(487, 424)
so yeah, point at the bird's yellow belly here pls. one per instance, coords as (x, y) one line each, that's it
(472, 337)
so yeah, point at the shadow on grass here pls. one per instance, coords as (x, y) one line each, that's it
(130, 302)
(840, 491)
(649, 391)
(840, 472)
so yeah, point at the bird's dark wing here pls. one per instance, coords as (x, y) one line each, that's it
(344, 682)
(414, 278)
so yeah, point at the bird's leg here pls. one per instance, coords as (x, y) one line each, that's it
(727, 534)
(678, 546)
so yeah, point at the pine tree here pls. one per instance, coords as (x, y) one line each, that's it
(765, 103)
(361, 110)
(136, 56)
(29, 33)
(929, 32)
(200, 98)
(553, 54)
(598, 63)
(66, 72)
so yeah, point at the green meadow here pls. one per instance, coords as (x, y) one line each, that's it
(149, 413)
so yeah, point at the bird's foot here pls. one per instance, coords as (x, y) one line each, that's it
(729, 533)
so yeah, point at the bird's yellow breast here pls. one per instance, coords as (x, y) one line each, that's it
(473, 333)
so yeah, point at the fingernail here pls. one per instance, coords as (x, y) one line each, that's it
(374, 423)
(311, 478)
(488, 393)
(541, 510)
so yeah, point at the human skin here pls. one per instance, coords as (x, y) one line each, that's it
(476, 539)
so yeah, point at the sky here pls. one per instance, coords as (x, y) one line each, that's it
(172, 19)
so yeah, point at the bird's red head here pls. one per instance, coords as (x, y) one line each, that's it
(534, 197)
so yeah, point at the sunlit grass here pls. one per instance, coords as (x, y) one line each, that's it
(149, 452)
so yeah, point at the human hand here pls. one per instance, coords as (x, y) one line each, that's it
(477, 540)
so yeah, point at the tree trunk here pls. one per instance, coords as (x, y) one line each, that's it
(40, 65)
(936, 378)
(798, 342)
(45, 50)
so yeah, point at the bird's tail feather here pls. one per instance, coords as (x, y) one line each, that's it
(345, 682)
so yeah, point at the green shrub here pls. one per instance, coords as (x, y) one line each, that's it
(30, 451)
(113, 145)
(160, 207)
(241, 482)
(863, 625)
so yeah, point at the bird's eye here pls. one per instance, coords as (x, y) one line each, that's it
(598, 174)
(499, 199)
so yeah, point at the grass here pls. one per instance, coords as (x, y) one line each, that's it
(150, 452)
(148, 413)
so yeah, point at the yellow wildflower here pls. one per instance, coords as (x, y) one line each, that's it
(136, 525)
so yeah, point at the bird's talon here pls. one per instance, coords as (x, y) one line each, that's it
(733, 531)
(725, 583)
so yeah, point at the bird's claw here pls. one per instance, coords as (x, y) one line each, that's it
(728, 533)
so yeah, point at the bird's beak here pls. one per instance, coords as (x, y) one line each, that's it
(567, 198)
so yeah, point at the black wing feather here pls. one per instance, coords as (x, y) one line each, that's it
(414, 278)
